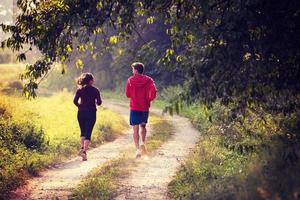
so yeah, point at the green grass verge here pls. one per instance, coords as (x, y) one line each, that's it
(251, 157)
(102, 182)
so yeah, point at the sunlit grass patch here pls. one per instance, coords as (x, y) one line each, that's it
(57, 115)
(102, 182)
(207, 169)
(161, 131)
(40, 132)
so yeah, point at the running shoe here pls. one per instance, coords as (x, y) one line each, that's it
(84, 156)
(80, 152)
(143, 149)
(138, 153)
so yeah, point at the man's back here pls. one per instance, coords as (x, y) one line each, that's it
(141, 90)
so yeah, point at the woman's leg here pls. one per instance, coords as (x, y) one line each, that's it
(86, 145)
(82, 142)
(90, 122)
(81, 121)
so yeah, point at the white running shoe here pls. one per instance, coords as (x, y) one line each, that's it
(84, 156)
(80, 152)
(143, 149)
(138, 153)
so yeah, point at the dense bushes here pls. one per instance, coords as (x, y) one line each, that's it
(250, 157)
(21, 145)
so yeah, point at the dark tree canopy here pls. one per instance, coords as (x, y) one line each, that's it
(239, 51)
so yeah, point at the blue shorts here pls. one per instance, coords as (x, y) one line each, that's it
(138, 117)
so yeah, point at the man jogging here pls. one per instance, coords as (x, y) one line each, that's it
(141, 90)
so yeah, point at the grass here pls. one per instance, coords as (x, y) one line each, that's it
(56, 115)
(43, 131)
(250, 157)
(210, 172)
(102, 182)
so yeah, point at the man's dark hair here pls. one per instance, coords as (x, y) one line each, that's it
(139, 67)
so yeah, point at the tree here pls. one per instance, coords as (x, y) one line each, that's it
(242, 52)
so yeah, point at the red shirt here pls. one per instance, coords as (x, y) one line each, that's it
(141, 90)
(89, 97)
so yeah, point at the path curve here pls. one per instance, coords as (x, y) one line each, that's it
(147, 180)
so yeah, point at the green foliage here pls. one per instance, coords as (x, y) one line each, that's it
(227, 49)
(244, 156)
(106, 131)
(101, 182)
(22, 145)
(31, 137)
(232, 51)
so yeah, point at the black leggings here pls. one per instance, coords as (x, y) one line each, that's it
(86, 119)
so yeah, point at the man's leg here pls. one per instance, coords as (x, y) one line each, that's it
(143, 132)
(143, 135)
(136, 136)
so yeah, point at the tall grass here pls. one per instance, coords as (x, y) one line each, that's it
(43, 131)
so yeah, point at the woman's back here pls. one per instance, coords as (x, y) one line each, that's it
(89, 97)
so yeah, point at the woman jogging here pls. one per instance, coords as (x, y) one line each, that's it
(89, 96)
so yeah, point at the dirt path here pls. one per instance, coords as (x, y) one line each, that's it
(58, 182)
(148, 179)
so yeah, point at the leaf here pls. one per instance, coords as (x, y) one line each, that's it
(21, 57)
(79, 63)
(170, 51)
(179, 58)
(69, 49)
(113, 39)
(150, 20)
(94, 56)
